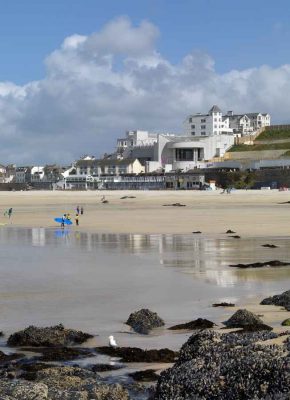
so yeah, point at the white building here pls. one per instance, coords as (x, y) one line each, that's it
(215, 123)
(210, 124)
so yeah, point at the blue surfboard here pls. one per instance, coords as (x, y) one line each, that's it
(66, 221)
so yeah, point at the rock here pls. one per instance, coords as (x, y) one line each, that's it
(64, 353)
(135, 354)
(78, 383)
(144, 320)
(230, 231)
(105, 367)
(286, 322)
(282, 300)
(246, 320)
(210, 367)
(271, 246)
(174, 205)
(30, 369)
(22, 390)
(273, 263)
(148, 375)
(196, 232)
(199, 323)
(47, 337)
(236, 237)
(223, 304)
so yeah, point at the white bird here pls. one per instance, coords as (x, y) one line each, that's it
(112, 341)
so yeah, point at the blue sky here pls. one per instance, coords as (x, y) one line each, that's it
(75, 75)
(238, 34)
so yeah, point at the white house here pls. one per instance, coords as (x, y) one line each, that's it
(212, 123)
(215, 123)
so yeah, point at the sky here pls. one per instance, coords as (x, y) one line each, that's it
(75, 75)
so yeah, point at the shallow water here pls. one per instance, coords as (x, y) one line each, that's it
(94, 281)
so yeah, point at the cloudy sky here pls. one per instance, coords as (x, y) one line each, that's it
(75, 75)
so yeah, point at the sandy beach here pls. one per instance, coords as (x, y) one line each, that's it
(250, 213)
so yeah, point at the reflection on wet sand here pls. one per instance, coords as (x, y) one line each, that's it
(206, 258)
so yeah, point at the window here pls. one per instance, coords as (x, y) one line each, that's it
(184, 154)
(203, 133)
(215, 127)
(215, 120)
(193, 133)
(203, 120)
(192, 126)
(203, 127)
(190, 120)
(215, 132)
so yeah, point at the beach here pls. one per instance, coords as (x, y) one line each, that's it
(139, 251)
(251, 213)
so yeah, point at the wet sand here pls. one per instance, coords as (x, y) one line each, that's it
(250, 213)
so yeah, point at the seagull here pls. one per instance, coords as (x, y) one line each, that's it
(112, 341)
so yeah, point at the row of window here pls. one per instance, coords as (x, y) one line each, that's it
(203, 133)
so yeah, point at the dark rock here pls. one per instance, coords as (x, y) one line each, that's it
(212, 367)
(64, 353)
(47, 337)
(148, 375)
(282, 300)
(174, 205)
(230, 231)
(196, 232)
(144, 320)
(273, 263)
(199, 323)
(236, 237)
(22, 390)
(271, 246)
(29, 370)
(105, 367)
(246, 320)
(135, 354)
(223, 304)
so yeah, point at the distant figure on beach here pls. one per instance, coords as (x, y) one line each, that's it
(103, 200)
(62, 221)
(10, 212)
(68, 217)
(82, 210)
(78, 209)
(77, 219)
(112, 341)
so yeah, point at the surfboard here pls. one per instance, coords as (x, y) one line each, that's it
(66, 221)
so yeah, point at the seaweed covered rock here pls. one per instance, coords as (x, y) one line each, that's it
(212, 368)
(144, 320)
(135, 354)
(199, 323)
(282, 300)
(247, 320)
(22, 390)
(47, 337)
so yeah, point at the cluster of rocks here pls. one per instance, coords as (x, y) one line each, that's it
(199, 323)
(213, 366)
(282, 300)
(144, 320)
(273, 263)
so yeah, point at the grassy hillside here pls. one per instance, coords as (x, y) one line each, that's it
(259, 147)
(275, 134)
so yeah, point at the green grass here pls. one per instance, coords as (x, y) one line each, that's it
(260, 147)
(274, 134)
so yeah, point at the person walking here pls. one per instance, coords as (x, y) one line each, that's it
(77, 219)
(82, 210)
(78, 209)
(10, 212)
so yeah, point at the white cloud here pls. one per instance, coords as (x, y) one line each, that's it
(98, 86)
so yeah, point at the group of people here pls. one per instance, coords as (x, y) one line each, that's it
(79, 211)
